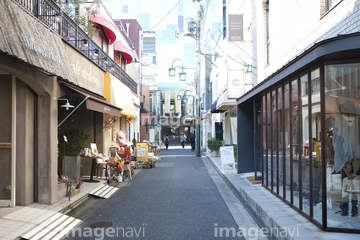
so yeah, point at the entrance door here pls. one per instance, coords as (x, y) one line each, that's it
(219, 131)
(7, 139)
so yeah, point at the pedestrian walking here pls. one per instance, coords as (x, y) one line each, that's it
(192, 140)
(167, 142)
(182, 140)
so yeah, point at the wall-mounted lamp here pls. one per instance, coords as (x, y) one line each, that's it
(57, 16)
(85, 42)
(96, 51)
(182, 75)
(67, 105)
(111, 67)
(106, 60)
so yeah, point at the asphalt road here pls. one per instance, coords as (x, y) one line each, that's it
(176, 200)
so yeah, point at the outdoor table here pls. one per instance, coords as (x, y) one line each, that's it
(93, 162)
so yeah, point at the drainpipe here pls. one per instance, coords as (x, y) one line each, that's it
(127, 29)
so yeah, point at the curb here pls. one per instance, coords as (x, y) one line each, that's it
(73, 205)
(249, 204)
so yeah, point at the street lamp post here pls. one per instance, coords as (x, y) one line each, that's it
(182, 75)
(198, 58)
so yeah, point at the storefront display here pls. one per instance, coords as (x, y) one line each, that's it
(146, 154)
(311, 154)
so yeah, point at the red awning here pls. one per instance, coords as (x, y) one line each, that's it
(121, 47)
(110, 29)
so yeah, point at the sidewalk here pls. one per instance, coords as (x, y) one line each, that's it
(269, 210)
(18, 220)
(265, 208)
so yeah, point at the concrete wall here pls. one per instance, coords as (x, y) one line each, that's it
(42, 90)
(25, 145)
(47, 144)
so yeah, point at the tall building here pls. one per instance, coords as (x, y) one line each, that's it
(298, 126)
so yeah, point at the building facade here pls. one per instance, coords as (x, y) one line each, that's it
(54, 77)
(298, 126)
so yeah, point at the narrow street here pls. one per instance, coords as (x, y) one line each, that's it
(176, 200)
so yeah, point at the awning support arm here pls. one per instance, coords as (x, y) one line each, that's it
(111, 120)
(73, 110)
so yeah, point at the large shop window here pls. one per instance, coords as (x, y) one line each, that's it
(342, 155)
(303, 135)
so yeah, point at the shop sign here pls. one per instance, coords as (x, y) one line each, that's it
(235, 83)
(149, 32)
(149, 44)
(149, 80)
(236, 27)
(88, 75)
(46, 53)
(84, 73)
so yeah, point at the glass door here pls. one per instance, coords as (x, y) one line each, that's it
(7, 140)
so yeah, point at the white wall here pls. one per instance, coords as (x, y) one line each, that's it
(297, 25)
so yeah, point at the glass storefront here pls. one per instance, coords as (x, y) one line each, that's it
(306, 141)
(342, 139)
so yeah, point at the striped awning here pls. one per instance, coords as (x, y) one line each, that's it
(121, 47)
(109, 28)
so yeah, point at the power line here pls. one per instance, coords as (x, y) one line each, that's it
(241, 49)
(166, 15)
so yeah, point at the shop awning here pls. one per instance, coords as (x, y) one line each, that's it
(121, 47)
(122, 97)
(213, 107)
(95, 102)
(222, 104)
(144, 108)
(100, 20)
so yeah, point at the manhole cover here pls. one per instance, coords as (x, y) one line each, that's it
(101, 224)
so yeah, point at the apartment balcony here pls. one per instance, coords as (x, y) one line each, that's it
(50, 14)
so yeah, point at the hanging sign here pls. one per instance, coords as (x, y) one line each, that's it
(167, 101)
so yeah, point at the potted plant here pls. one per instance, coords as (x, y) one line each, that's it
(214, 145)
(77, 140)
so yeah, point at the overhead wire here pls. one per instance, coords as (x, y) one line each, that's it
(166, 14)
(241, 49)
(217, 42)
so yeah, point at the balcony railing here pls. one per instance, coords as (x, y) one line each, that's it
(46, 11)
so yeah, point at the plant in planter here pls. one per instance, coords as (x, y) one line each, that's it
(77, 140)
(214, 145)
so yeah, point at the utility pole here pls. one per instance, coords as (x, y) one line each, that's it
(197, 77)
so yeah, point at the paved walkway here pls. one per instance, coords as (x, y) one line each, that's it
(15, 221)
(272, 211)
(177, 199)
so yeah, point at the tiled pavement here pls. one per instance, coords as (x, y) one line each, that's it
(17, 220)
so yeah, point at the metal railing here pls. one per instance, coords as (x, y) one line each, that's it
(47, 11)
